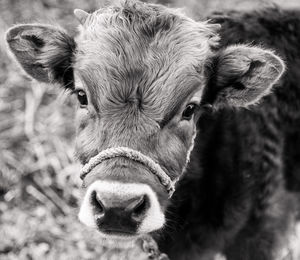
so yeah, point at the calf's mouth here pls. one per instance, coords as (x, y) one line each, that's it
(124, 210)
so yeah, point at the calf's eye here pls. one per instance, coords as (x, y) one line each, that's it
(82, 98)
(189, 111)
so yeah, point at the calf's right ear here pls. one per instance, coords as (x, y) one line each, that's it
(45, 52)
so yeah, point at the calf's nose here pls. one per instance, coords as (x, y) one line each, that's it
(121, 208)
(119, 214)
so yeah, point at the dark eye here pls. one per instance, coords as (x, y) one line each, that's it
(189, 111)
(82, 98)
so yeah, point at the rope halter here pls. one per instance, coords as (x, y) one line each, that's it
(136, 156)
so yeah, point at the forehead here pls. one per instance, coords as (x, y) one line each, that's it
(142, 48)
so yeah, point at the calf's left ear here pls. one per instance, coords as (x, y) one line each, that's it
(241, 75)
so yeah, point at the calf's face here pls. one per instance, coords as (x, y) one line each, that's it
(143, 74)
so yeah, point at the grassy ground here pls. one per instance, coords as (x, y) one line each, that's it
(39, 181)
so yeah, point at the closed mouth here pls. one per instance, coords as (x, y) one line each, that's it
(118, 233)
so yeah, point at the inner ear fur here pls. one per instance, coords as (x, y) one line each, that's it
(240, 75)
(45, 52)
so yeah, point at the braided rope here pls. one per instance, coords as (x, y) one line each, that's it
(135, 156)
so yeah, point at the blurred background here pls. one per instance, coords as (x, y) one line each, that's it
(39, 180)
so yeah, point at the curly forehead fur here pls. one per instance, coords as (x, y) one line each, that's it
(142, 53)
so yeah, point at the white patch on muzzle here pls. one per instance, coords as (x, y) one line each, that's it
(154, 218)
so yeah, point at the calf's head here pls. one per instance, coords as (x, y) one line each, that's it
(142, 74)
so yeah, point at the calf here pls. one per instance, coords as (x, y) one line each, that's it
(176, 132)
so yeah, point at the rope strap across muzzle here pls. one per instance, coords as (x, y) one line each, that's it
(135, 156)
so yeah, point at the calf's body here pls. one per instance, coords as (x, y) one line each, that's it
(166, 99)
(241, 191)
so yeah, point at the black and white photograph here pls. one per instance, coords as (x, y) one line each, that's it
(150, 129)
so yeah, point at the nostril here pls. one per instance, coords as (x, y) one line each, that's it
(97, 204)
(140, 208)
